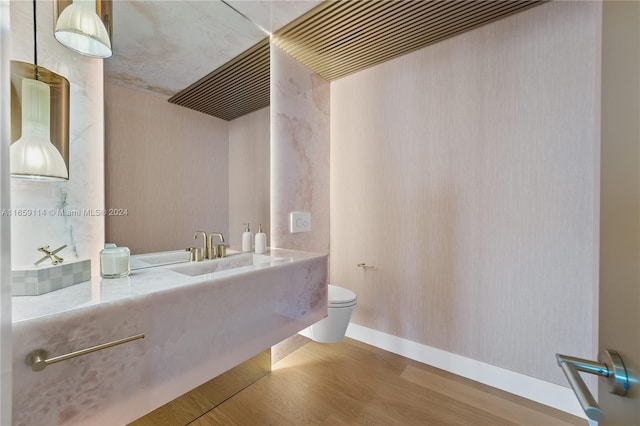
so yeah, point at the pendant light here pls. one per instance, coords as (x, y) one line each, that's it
(39, 115)
(84, 26)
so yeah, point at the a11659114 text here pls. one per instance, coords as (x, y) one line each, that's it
(27, 212)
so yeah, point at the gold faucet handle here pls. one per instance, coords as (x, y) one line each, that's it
(195, 254)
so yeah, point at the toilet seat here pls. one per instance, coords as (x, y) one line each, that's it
(340, 297)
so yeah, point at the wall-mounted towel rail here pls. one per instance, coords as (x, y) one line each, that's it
(611, 367)
(38, 361)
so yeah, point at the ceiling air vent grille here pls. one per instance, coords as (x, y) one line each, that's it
(341, 37)
(236, 88)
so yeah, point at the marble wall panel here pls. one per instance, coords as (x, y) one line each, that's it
(62, 202)
(299, 152)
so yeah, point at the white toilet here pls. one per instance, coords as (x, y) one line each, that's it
(332, 328)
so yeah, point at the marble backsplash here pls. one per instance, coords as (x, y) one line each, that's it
(71, 212)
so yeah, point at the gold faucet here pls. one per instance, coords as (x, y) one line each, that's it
(205, 243)
(219, 250)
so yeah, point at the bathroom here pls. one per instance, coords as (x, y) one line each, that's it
(474, 197)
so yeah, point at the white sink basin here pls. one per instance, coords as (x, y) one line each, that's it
(233, 261)
(148, 260)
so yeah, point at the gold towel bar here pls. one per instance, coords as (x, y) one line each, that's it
(38, 361)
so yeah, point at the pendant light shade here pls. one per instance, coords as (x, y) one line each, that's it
(39, 117)
(84, 26)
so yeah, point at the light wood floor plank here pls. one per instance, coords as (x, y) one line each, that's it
(511, 411)
(351, 383)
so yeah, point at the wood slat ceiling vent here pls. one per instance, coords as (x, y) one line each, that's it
(236, 88)
(341, 37)
(338, 38)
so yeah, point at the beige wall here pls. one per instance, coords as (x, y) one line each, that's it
(465, 173)
(249, 159)
(619, 319)
(168, 166)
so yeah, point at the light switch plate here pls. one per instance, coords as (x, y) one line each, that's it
(300, 222)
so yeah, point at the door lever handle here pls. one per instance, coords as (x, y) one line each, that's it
(611, 367)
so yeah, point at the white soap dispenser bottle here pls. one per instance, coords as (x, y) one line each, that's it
(247, 239)
(261, 240)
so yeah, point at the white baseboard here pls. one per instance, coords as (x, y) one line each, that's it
(556, 396)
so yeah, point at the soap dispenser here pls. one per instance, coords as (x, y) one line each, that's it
(247, 239)
(261, 240)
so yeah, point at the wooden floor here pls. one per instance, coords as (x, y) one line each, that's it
(351, 383)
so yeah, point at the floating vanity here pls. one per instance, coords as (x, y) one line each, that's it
(198, 320)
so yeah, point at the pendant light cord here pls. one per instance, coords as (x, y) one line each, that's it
(35, 40)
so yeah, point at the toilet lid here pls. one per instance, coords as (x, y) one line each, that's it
(339, 296)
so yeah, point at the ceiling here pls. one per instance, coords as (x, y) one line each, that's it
(212, 56)
(161, 47)
(341, 37)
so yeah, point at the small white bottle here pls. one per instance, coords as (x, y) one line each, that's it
(247, 239)
(261, 240)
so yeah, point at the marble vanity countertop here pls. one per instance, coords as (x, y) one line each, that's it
(139, 283)
(195, 328)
